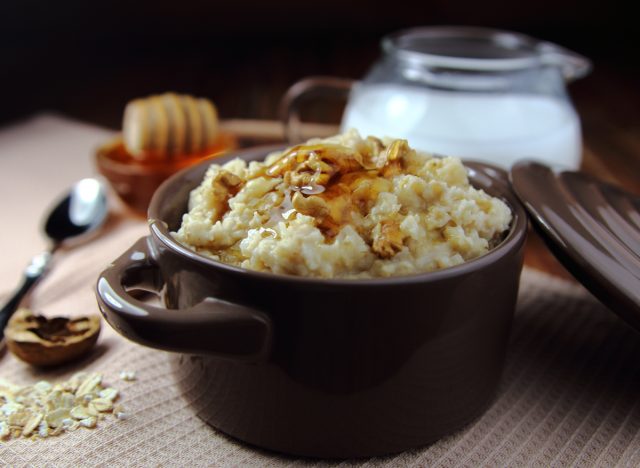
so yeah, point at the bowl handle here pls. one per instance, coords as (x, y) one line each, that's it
(212, 327)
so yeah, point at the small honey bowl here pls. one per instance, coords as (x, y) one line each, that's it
(161, 135)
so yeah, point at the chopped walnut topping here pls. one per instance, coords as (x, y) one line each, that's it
(225, 186)
(388, 241)
(396, 150)
(310, 206)
(314, 164)
(341, 179)
(368, 152)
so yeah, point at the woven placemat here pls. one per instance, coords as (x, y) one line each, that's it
(568, 395)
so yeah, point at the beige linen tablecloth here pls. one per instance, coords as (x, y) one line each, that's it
(568, 395)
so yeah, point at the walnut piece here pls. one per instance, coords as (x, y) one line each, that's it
(225, 185)
(46, 342)
(313, 165)
(388, 241)
(311, 206)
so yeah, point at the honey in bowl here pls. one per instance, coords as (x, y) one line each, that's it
(161, 135)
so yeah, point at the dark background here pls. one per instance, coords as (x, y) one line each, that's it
(86, 59)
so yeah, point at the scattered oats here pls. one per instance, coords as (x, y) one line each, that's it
(101, 404)
(42, 386)
(4, 429)
(79, 412)
(70, 424)
(9, 408)
(32, 423)
(128, 375)
(67, 400)
(108, 393)
(45, 409)
(56, 417)
(120, 413)
(19, 418)
(89, 422)
(89, 384)
(92, 410)
(43, 430)
(74, 382)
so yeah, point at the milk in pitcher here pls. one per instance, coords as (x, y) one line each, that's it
(491, 127)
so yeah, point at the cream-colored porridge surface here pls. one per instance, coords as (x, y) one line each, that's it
(342, 207)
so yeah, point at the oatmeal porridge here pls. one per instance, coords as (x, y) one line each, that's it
(343, 207)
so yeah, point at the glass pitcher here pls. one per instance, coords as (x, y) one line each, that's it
(476, 93)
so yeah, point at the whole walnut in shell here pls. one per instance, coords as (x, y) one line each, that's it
(45, 341)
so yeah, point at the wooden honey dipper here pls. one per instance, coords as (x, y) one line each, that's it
(169, 126)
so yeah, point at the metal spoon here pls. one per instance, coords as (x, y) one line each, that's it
(77, 214)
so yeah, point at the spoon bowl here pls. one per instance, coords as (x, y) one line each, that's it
(79, 213)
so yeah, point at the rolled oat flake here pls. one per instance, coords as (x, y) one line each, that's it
(45, 409)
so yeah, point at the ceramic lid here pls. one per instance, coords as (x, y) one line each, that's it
(592, 227)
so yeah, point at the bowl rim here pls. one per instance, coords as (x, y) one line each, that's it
(513, 240)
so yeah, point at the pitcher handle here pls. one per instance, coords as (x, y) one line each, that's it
(312, 87)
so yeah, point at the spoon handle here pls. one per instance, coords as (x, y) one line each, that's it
(36, 269)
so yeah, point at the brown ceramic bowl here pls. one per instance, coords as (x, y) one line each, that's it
(325, 368)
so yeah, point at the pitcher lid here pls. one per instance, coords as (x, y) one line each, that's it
(481, 49)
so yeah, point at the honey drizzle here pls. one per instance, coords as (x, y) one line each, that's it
(347, 181)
